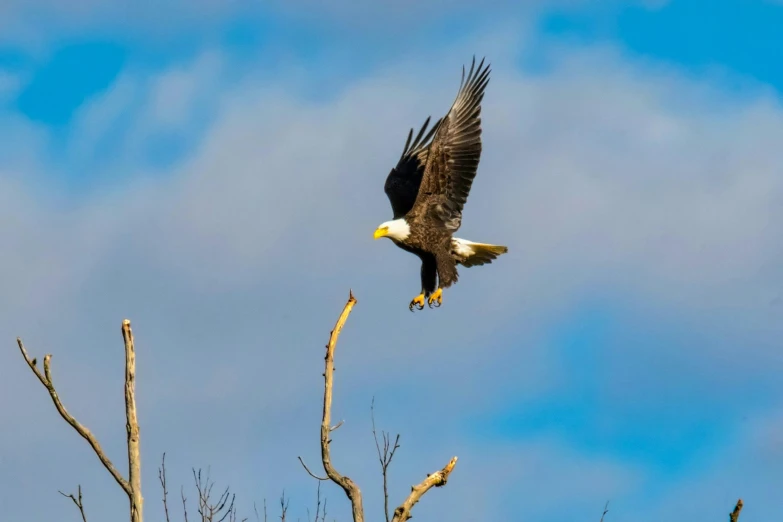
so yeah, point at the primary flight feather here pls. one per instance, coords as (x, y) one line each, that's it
(429, 187)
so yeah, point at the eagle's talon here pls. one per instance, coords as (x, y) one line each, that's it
(417, 302)
(436, 297)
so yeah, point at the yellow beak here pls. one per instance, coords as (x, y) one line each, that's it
(380, 232)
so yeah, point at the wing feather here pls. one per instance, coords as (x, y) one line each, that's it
(454, 153)
(402, 183)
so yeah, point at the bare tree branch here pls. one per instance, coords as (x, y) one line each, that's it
(184, 503)
(606, 510)
(132, 486)
(323, 511)
(310, 472)
(384, 457)
(437, 479)
(46, 380)
(319, 512)
(132, 425)
(283, 507)
(162, 478)
(77, 501)
(352, 491)
(218, 511)
(734, 516)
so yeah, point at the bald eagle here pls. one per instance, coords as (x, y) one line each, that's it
(429, 187)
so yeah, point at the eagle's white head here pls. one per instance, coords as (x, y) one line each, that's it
(397, 229)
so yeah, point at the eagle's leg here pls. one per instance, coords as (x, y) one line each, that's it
(418, 302)
(429, 279)
(436, 297)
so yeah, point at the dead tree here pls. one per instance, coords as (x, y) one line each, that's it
(352, 491)
(132, 485)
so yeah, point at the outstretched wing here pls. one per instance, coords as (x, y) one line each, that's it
(402, 183)
(453, 156)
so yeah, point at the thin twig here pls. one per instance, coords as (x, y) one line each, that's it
(351, 489)
(77, 501)
(213, 512)
(384, 457)
(283, 507)
(162, 478)
(317, 505)
(310, 472)
(606, 510)
(184, 503)
(734, 516)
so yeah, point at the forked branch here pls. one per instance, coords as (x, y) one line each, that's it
(77, 500)
(131, 486)
(217, 511)
(385, 456)
(352, 491)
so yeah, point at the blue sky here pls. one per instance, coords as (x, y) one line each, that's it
(219, 176)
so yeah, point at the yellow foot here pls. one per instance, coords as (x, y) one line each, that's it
(437, 296)
(418, 302)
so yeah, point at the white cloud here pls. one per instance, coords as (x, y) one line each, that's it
(234, 265)
(35, 22)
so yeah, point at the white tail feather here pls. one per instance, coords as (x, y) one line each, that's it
(467, 253)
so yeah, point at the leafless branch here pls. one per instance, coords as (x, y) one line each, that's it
(319, 513)
(232, 515)
(734, 516)
(283, 507)
(323, 512)
(437, 479)
(384, 457)
(606, 510)
(132, 425)
(132, 486)
(352, 491)
(162, 478)
(77, 501)
(209, 511)
(310, 472)
(184, 503)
